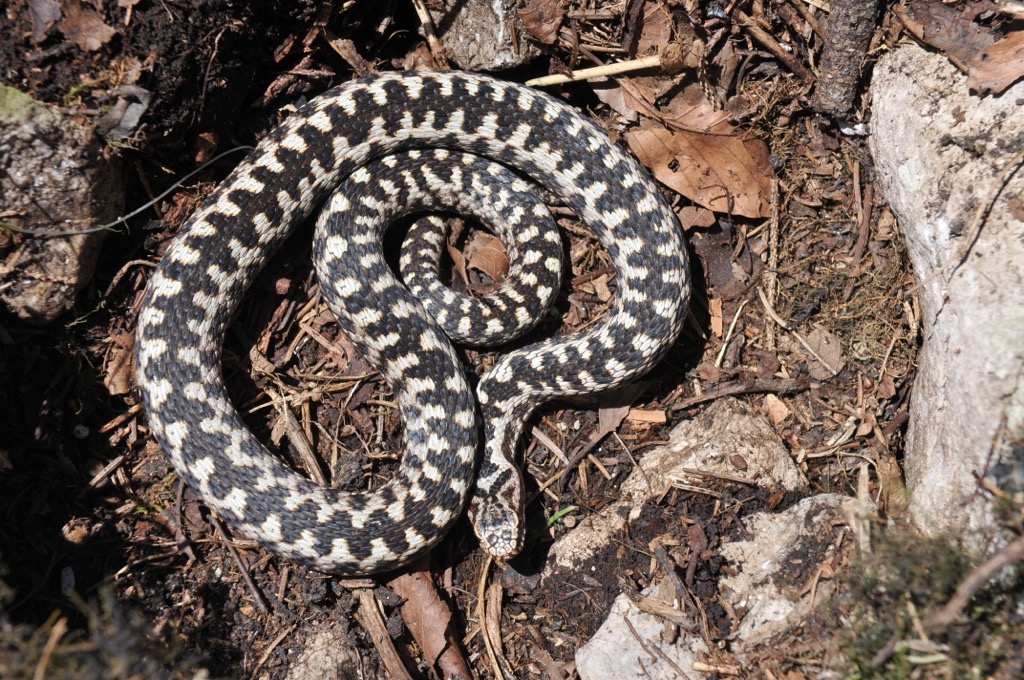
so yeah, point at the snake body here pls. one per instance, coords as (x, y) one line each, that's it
(217, 254)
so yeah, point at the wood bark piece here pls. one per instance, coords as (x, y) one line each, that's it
(849, 29)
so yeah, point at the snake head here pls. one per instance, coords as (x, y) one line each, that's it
(497, 513)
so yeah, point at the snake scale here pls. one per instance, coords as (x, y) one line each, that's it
(317, 159)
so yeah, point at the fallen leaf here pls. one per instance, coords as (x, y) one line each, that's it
(723, 173)
(120, 364)
(829, 350)
(542, 19)
(658, 30)
(598, 288)
(691, 110)
(715, 249)
(998, 66)
(84, 27)
(45, 14)
(486, 254)
(946, 28)
(610, 94)
(777, 409)
(692, 217)
(696, 538)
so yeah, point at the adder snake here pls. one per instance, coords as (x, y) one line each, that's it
(318, 155)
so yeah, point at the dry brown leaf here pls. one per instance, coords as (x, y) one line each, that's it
(426, 614)
(120, 364)
(829, 349)
(658, 30)
(696, 538)
(693, 217)
(947, 28)
(486, 254)
(420, 57)
(542, 18)
(45, 14)
(715, 248)
(609, 419)
(722, 173)
(84, 27)
(610, 94)
(598, 288)
(777, 409)
(998, 66)
(691, 110)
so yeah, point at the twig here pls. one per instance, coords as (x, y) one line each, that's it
(436, 48)
(270, 649)
(253, 588)
(368, 616)
(481, 612)
(772, 274)
(777, 319)
(1011, 554)
(124, 218)
(728, 334)
(771, 386)
(56, 633)
(598, 71)
(762, 36)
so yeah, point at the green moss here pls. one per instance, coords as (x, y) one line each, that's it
(900, 584)
(15, 105)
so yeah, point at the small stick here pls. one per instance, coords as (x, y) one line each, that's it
(598, 71)
(1010, 555)
(436, 48)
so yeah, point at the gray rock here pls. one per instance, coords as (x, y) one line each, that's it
(54, 178)
(942, 157)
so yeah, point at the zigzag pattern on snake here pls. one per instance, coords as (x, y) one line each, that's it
(316, 155)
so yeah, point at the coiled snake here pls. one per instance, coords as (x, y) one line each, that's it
(211, 262)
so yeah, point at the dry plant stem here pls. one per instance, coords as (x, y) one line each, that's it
(598, 71)
(253, 588)
(56, 633)
(481, 613)
(298, 438)
(772, 275)
(769, 386)
(1010, 555)
(769, 43)
(777, 319)
(728, 334)
(255, 673)
(798, 7)
(368, 616)
(436, 48)
(849, 30)
(715, 668)
(655, 651)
